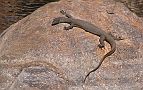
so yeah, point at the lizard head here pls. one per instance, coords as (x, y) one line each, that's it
(56, 21)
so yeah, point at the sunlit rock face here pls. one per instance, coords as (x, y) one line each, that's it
(37, 56)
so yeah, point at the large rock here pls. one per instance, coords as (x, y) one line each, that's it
(37, 56)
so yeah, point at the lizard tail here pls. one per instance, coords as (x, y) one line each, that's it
(113, 48)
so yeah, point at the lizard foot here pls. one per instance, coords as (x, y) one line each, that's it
(101, 46)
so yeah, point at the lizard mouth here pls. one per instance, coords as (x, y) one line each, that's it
(53, 24)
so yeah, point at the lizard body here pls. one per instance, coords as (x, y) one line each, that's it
(88, 27)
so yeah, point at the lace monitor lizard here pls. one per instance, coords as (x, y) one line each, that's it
(91, 29)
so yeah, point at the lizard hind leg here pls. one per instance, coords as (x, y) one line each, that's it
(101, 40)
(64, 13)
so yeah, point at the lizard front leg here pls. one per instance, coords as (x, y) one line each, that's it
(64, 13)
(101, 40)
(69, 27)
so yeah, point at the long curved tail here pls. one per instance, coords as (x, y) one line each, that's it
(113, 48)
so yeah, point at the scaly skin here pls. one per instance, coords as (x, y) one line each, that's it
(91, 29)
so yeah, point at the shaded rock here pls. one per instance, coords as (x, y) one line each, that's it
(33, 42)
(135, 6)
(14, 10)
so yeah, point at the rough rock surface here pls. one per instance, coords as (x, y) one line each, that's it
(36, 56)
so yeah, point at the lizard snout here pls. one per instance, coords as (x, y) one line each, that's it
(53, 23)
